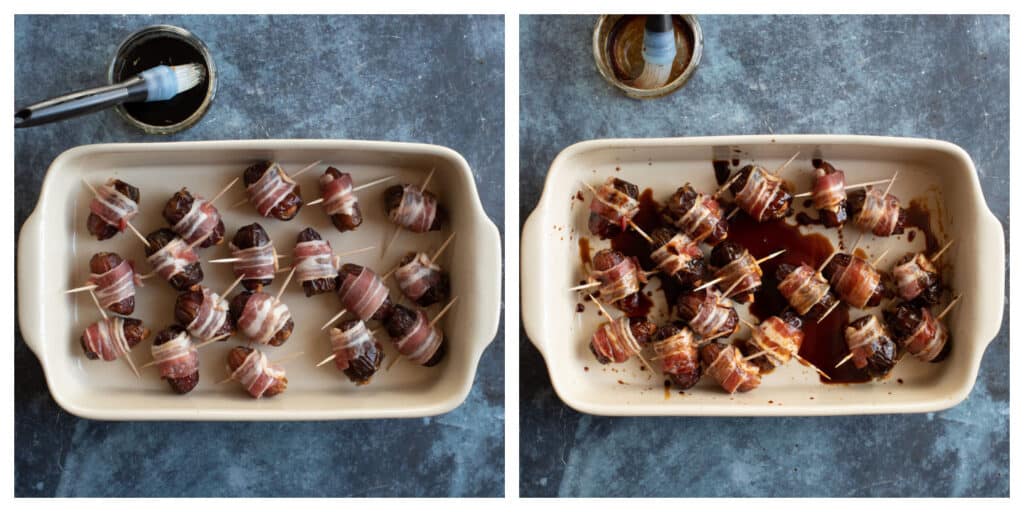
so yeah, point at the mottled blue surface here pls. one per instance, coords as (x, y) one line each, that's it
(923, 76)
(429, 79)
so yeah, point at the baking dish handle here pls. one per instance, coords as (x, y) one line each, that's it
(993, 259)
(532, 277)
(30, 281)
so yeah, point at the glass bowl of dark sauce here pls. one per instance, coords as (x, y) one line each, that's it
(171, 46)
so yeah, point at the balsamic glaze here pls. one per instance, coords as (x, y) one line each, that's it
(157, 51)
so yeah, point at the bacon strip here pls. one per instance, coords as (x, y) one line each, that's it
(362, 294)
(349, 344)
(116, 284)
(865, 340)
(711, 316)
(856, 282)
(270, 189)
(315, 260)
(678, 353)
(417, 276)
(759, 191)
(106, 338)
(803, 288)
(255, 262)
(257, 374)
(913, 276)
(421, 342)
(702, 217)
(676, 255)
(199, 222)
(615, 341)
(781, 340)
(743, 269)
(262, 317)
(928, 340)
(614, 205)
(619, 281)
(172, 258)
(829, 189)
(112, 206)
(879, 214)
(337, 194)
(176, 358)
(416, 211)
(730, 370)
(210, 317)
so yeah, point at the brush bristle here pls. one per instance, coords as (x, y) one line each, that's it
(653, 76)
(188, 75)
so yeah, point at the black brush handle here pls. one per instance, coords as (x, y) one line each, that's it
(80, 103)
(659, 23)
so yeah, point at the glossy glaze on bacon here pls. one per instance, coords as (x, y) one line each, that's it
(697, 215)
(677, 349)
(621, 277)
(919, 332)
(780, 337)
(708, 313)
(357, 353)
(725, 364)
(115, 279)
(677, 255)
(176, 358)
(612, 207)
(110, 211)
(734, 264)
(805, 289)
(880, 215)
(855, 281)
(871, 345)
(917, 279)
(194, 219)
(829, 196)
(762, 195)
(618, 340)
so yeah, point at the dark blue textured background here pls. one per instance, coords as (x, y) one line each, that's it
(921, 76)
(432, 79)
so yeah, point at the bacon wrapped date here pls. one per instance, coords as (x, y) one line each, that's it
(881, 215)
(733, 263)
(621, 280)
(204, 314)
(113, 337)
(422, 281)
(115, 204)
(252, 369)
(725, 364)
(708, 313)
(357, 353)
(829, 195)
(173, 259)
(340, 202)
(917, 279)
(271, 191)
(677, 348)
(677, 255)
(258, 261)
(176, 358)
(698, 216)
(613, 206)
(919, 332)
(806, 290)
(362, 292)
(761, 194)
(618, 340)
(193, 218)
(855, 281)
(414, 337)
(871, 346)
(115, 279)
(413, 210)
(316, 266)
(261, 318)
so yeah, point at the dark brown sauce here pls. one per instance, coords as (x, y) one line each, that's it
(625, 46)
(722, 171)
(630, 243)
(668, 389)
(824, 344)
(804, 219)
(817, 162)
(584, 244)
(920, 217)
(154, 52)
(735, 162)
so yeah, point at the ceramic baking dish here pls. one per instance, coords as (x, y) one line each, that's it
(54, 249)
(936, 171)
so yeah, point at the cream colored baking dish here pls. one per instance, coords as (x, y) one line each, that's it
(54, 249)
(940, 172)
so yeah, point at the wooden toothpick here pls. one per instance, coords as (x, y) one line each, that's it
(303, 170)
(829, 312)
(284, 285)
(949, 307)
(783, 166)
(938, 255)
(844, 360)
(848, 187)
(426, 181)
(334, 318)
(223, 190)
(443, 247)
(443, 311)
